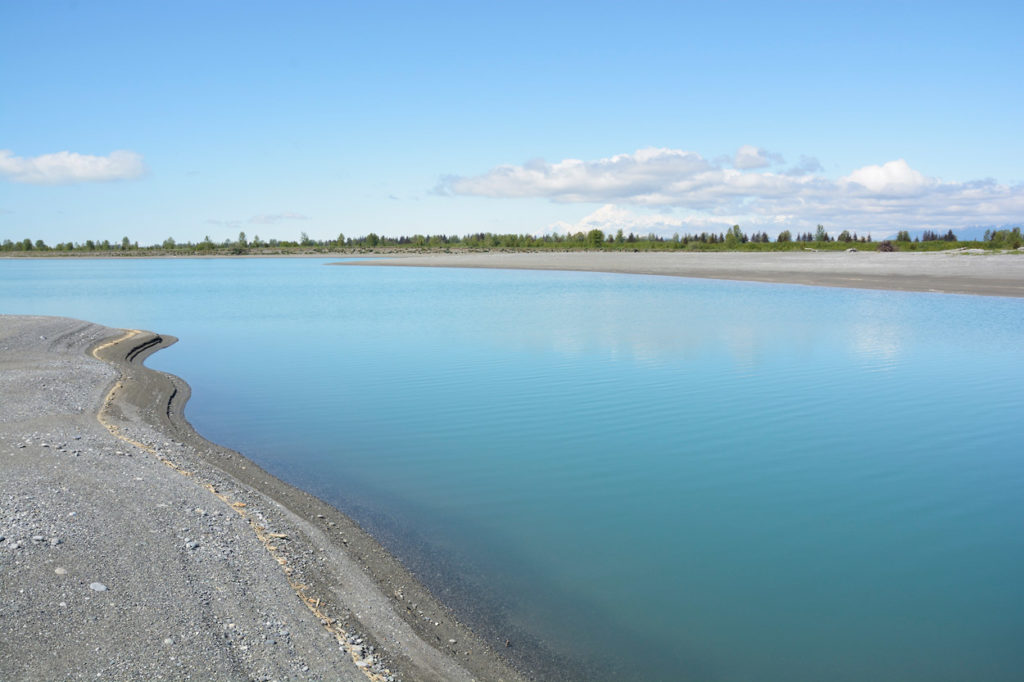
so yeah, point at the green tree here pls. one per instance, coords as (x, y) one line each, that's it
(903, 236)
(242, 242)
(820, 235)
(734, 237)
(372, 240)
(125, 244)
(784, 236)
(845, 236)
(169, 243)
(595, 239)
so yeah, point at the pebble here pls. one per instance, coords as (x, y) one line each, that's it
(168, 641)
(60, 570)
(97, 587)
(192, 545)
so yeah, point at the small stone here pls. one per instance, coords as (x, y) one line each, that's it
(451, 641)
(55, 541)
(60, 570)
(97, 587)
(192, 545)
(168, 641)
(37, 538)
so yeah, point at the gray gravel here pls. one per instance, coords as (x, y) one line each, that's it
(951, 272)
(116, 565)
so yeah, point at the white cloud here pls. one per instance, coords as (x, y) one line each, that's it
(750, 156)
(807, 165)
(895, 177)
(623, 176)
(274, 218)
(63, 168)
(874, 197)
(610, 218)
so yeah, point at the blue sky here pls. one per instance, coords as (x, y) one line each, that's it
(194, 118)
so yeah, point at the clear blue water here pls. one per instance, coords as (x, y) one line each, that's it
(666, 478)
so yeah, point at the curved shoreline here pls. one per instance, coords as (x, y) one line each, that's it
(948, 272)
(383, 623)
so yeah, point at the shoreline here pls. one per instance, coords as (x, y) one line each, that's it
(280, 555)
(947, 272)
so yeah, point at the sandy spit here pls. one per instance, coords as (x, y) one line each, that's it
(132, 548)
(950, 272)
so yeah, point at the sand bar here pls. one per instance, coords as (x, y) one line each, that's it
(951, 272)
(132, 548)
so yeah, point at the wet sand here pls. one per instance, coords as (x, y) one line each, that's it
(950, 272)
(132, 548)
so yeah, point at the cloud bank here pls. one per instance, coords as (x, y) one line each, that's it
(65, 168)
(753, 188)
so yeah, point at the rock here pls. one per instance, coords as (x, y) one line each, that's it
(168, 641)
(97, 587)
(192, 545)
(60, 570)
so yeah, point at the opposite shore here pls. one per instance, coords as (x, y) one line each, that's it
(133, 548)
(949, 272)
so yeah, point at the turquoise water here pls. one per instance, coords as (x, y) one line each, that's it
(665, 478)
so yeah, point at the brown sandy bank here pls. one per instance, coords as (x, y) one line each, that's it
(132, 548)
(945, 272)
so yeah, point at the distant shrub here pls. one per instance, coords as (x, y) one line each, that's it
(886, 246)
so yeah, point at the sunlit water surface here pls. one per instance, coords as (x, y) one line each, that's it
(635, 477)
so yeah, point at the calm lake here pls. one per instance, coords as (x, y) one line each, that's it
(629, 477)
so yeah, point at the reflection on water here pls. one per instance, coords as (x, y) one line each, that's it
(666, 478)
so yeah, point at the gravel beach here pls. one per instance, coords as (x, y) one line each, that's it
(132, 548)
(951, 272)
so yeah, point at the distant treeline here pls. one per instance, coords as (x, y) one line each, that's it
(733, 239)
